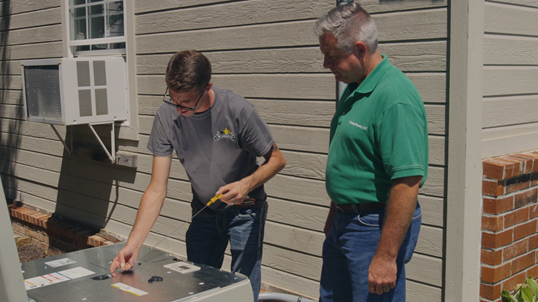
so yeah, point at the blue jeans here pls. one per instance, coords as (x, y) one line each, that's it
(348, 251)
(208, 237)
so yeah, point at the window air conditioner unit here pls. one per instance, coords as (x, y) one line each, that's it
(74, 91)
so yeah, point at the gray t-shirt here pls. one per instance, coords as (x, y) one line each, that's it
(216, 147)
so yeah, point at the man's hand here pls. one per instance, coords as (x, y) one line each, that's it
(124, 260)
(381, 275)
(235, 193)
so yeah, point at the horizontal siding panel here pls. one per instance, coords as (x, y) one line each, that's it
(144, 6)
(425, 269)
(38, 51)
(532, 3)
(432, 210)
(34, 19)
(304, 165)
(41, 34)
(376, 6)
(510, 50)
(522, 80)
(298, 189)
(290, 261)
(510, 139)
(431, 86)
(12, 97)
(10, 68)
(259, 36)
(430, 241)
(412, 25)
(418, 292)
(510, 19)
(416, 56)
(509, 111)
(230, 14)
(295, 214)
(291, 282)
(21, 6)
(309, 242)
(12, 112)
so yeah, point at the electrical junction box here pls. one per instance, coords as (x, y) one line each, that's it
(73, 91)
(84, 276)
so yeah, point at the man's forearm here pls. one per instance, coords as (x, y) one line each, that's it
(148, 212)
(399, 213)
(274, 163)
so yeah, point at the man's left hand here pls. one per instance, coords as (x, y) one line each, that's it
(381, 275)
(235, 193)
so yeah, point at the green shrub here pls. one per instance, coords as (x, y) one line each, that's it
(525, 292)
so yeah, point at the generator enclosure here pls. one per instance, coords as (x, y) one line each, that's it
(74, 91)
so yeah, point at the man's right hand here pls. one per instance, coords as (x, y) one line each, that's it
(124, 260)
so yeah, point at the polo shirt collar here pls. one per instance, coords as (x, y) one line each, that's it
(374, 77)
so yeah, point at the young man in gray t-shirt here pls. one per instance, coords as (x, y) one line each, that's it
(217, 136)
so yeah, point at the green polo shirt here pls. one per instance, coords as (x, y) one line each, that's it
(378, 133)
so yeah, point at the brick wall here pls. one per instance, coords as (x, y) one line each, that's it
(54, 235)
(509, 223)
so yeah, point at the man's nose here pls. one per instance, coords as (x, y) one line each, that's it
(327, 63)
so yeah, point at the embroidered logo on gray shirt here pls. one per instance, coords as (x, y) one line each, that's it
(225, 134)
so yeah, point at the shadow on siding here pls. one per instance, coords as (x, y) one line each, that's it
(10, 126)
(89, 185)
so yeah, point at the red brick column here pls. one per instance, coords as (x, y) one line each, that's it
(509, 223)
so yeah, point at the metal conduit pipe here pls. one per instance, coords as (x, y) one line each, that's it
(278, 297)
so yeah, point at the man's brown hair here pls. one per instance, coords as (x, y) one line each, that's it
(187, 70)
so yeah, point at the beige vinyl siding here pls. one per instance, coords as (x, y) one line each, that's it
(510, 101)
(265, 51)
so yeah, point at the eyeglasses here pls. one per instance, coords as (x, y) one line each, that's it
(168, 100)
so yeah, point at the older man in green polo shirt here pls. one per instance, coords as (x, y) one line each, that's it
(378, 160)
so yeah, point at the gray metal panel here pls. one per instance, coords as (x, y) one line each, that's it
(174, 287)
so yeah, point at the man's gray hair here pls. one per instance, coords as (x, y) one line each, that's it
(349, 23)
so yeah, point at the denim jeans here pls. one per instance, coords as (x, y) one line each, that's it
(348, 251)
(207, 239)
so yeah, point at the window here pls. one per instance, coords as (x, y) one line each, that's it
(104, 28)
(96, 25)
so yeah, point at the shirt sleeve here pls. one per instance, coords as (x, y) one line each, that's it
(256, 136)
(402, 141)
(159, 143)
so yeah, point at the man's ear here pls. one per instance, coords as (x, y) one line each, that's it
(359, 48)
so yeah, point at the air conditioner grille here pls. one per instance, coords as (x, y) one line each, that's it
(43, 91)
(83, 73)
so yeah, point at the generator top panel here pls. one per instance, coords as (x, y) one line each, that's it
(85, 276)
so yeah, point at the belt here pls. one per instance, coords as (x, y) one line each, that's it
(248, 205)
(353, 208)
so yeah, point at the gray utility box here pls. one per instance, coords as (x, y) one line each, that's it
(85, 276)
(73, 91)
